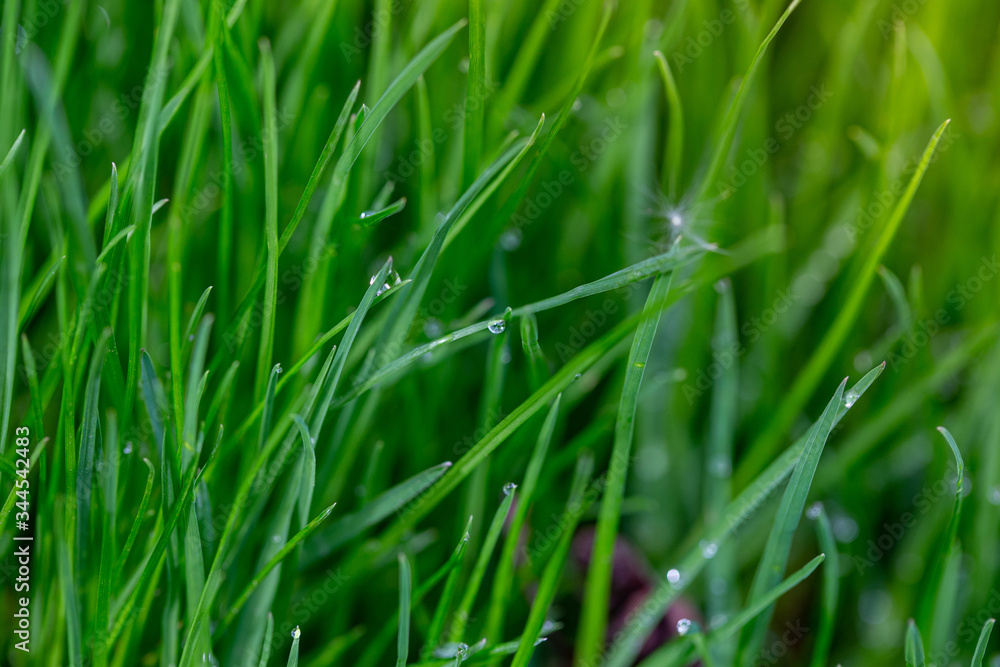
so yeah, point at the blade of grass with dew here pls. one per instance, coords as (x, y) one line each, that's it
(503, 579)
(471, 590)
(668, 655)
(914, 651)
(270, 219)
(549, 584)
(984, 639)
(594, 612)
(627, 643)
(405, 582)
(375, 646)
(774, 560)
(831, 586)
(293, 654)
(435, 632)
(762, 448)
(249, 486)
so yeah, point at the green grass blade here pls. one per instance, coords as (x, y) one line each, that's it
(914, 646)
(742, 508)
(308, 470)
(270, 219)
(471, 590)
(258, 578)
(475, 93)
(674, 153)
(293, 654)
(265, 647)
(984, 639)
(395, 500)
(733, 113)
(549, 585)
(779, 542)
(808, 379)
(831, 586)
(503, 580)
(405, 582)
(594, 613)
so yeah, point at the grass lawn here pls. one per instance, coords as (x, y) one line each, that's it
(499, 332)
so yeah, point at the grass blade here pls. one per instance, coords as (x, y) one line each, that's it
(594, 613)
(831, 586)
(405, 582)
(914, 646)
(984, 639)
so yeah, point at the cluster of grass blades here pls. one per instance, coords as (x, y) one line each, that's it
(509, 332)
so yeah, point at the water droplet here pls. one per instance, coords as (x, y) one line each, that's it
(684, 626)
(845, 529)
(371, 281)
(190, 337)
(508, 488)
(674, 576)
(128, 448)
(433, 328)
(396, 280)
(510, 240)
(721, 467)
(709, 549)
(383, 289)
(461, 650)
(505, 355)
(994, 495)
(675, 220)
(814, 511)
(850, 398)
(276, 538)
(296, 633)
(278, 369)
(497, 326)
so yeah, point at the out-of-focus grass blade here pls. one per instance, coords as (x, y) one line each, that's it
(9, 298)
(549, 584)
(194, 320)
(40, 289)
(109, 479)
(786, 521)
(405, 582)
(984, 638)
(85, 464)
(395, 500)
(308, 470)
(721, 571)
(732, 117)
(471, 589)
(831, 586)
(9, 157)
(914, 646)
(538, 368)
(594, 613)
(762, 448)
(70, 602)
(672, 158)
(270, 219)
(739, 511)
(475, 93)
(938, 593)
(265, 648)
(503, 580)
